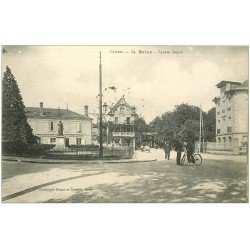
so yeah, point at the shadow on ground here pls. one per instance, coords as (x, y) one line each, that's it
(161, 182)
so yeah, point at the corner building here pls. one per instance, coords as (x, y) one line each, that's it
(232, 114)
(44, 122)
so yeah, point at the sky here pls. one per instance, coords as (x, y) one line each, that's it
(154, 82)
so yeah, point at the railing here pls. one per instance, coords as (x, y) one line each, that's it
(124, 152)
(122, 128)
(128, 134)
(75, 151)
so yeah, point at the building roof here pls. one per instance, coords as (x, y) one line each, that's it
(223, 83)
(122, 101)
(50, 113)
(216, 99)
(242, 86)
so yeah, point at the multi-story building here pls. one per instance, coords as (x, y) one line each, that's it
(232, 113)
(44, 122)
(119, 120)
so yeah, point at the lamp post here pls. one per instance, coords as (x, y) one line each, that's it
(100, 105)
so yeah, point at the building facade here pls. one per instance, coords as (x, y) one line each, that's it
(44, 122)
(232, 114)
(119, 123)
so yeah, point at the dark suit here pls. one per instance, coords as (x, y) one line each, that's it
(190, 151)
(167, 149)
(178, 148)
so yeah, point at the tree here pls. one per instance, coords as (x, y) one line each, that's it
(210, 125)
(140, 127)
(190, 131)
(184, 112)
(16, 132)
(170, 125)
(183, 123)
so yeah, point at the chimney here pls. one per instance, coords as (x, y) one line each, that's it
(41, 109)
(86, 110)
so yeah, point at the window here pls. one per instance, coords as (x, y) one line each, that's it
(229, 129)
(229, 109)
(224, 139)
(116, 120)
(218, 131)
(51, 126)
(218, 112)
(122, 110)
(52, 140)
(230, 139)
(219, 121)
(79, 128)
(128, 120)
(218, 139)
(78, 141)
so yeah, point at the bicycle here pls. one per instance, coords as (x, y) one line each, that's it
(197, 159)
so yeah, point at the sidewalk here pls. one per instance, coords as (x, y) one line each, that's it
(154, 155)
(159, 155)
(237, 158)
(55, 161)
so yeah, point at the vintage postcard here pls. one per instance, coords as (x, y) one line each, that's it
(125, 124)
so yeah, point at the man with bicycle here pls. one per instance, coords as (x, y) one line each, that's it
(190, 148)
(178, 147)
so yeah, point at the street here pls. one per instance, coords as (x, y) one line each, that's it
(216, 180)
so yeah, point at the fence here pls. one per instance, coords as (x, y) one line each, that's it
(115, 152)
(123, 152)
(213, 146)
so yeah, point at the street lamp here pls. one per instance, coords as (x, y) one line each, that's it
(100, 104)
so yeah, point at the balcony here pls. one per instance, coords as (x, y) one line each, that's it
(123, 134)
(122, 130)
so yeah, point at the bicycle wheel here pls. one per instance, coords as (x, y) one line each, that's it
(184, 160)
(197, 159)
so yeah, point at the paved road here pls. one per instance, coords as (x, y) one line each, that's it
(161, 181)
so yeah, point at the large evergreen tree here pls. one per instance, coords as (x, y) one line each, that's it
(15, 129)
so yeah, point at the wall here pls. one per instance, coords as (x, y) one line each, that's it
(235, 115)
(72, 129)
(122, 116)
(241, 112)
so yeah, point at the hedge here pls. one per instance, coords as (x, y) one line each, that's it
(87, 147)
(18, 149)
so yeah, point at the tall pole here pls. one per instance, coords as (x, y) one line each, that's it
(200, 131)
(203, 137)
(100, 105)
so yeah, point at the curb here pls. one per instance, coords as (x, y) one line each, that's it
(78, 162)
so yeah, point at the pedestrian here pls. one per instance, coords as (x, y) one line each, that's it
(167, 149)
(178, 148)
(190, 147)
